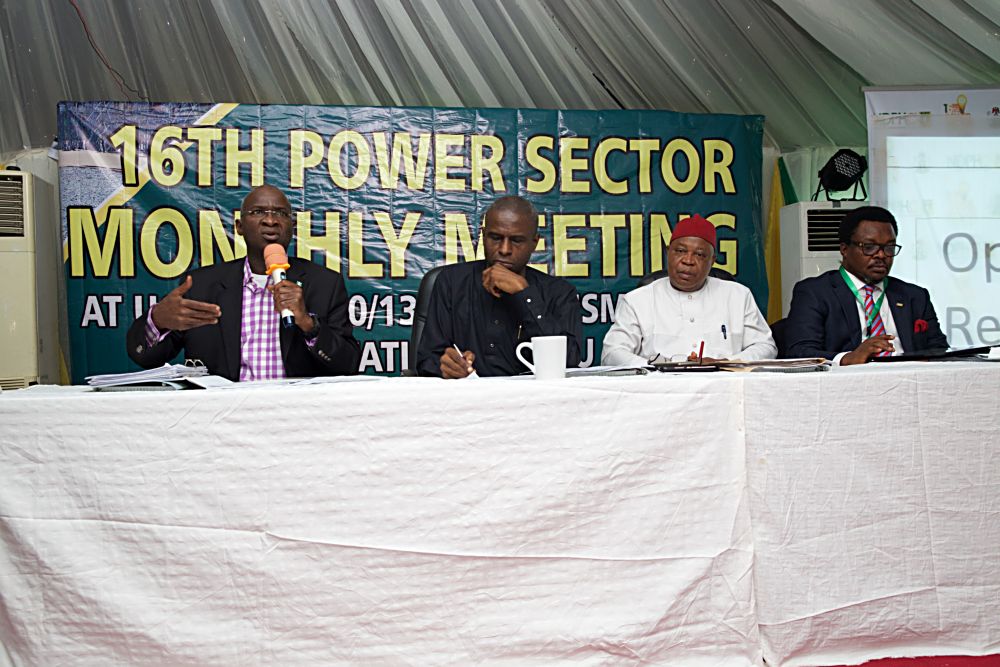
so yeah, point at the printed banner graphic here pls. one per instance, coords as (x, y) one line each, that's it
(382, 195)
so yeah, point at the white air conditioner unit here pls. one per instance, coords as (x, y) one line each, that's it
(30, 281)
(809, 241)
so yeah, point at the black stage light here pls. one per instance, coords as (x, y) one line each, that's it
(841, 172)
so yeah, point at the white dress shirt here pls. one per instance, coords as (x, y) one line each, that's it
(660, 320)
(884, 311)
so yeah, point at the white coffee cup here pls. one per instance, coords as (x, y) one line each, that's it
(549, 353)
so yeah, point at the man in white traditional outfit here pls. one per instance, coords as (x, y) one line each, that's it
(671, 318)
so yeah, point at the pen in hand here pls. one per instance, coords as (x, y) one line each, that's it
(472, 371)
(701, 352)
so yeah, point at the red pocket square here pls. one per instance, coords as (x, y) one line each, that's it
(919, 326)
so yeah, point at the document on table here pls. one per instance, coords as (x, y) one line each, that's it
(685, 366)
(602, 371)
(168, 376)
(774, 365)
(937, 355)
(335, 379)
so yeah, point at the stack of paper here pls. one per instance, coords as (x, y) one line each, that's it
(774, 365)
(163, 375)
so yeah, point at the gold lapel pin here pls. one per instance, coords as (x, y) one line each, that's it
(899, 304)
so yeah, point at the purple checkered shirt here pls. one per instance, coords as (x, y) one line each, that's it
(260, 342)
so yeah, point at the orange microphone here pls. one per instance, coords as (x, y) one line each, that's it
(276, 261)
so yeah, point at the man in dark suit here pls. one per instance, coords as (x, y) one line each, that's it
(227, 315)
(858, 312)
(488, 307)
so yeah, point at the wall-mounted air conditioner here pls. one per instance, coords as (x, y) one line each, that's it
(30, 277)
(809, 241)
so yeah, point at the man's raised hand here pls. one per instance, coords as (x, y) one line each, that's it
(498, 279)
(175, 313)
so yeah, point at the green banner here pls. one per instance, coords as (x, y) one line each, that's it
(150, 191)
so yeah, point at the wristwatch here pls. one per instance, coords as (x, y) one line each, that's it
(312, 333)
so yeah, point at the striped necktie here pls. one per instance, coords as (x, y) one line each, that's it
(877, 327)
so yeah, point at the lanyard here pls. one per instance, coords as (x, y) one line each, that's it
(860, 300)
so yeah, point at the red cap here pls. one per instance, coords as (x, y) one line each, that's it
(695, 226)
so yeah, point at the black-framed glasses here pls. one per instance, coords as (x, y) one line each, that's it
(282, 213)
(871, 249)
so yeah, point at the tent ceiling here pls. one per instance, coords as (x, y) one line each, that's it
(801, 63)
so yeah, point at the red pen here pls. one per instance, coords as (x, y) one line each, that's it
(701, 352)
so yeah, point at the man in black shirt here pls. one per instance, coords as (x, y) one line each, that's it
(486, 308)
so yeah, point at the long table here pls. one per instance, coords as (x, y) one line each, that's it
(875, 497)
(671, 519)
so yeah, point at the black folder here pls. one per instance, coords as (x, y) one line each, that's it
(937, 355)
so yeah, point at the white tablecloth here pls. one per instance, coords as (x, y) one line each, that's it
(661, 520)
(876, 512)
(405, 522)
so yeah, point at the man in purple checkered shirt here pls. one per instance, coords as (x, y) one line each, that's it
(227, 315)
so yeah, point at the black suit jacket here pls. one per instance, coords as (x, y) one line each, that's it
(823, 319)
(335, 351)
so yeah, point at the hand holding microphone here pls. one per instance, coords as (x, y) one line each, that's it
(276, 261)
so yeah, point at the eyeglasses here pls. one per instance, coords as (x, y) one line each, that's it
(281, 213)
(871, 249)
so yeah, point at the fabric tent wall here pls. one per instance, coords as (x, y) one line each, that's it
(801, 63)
